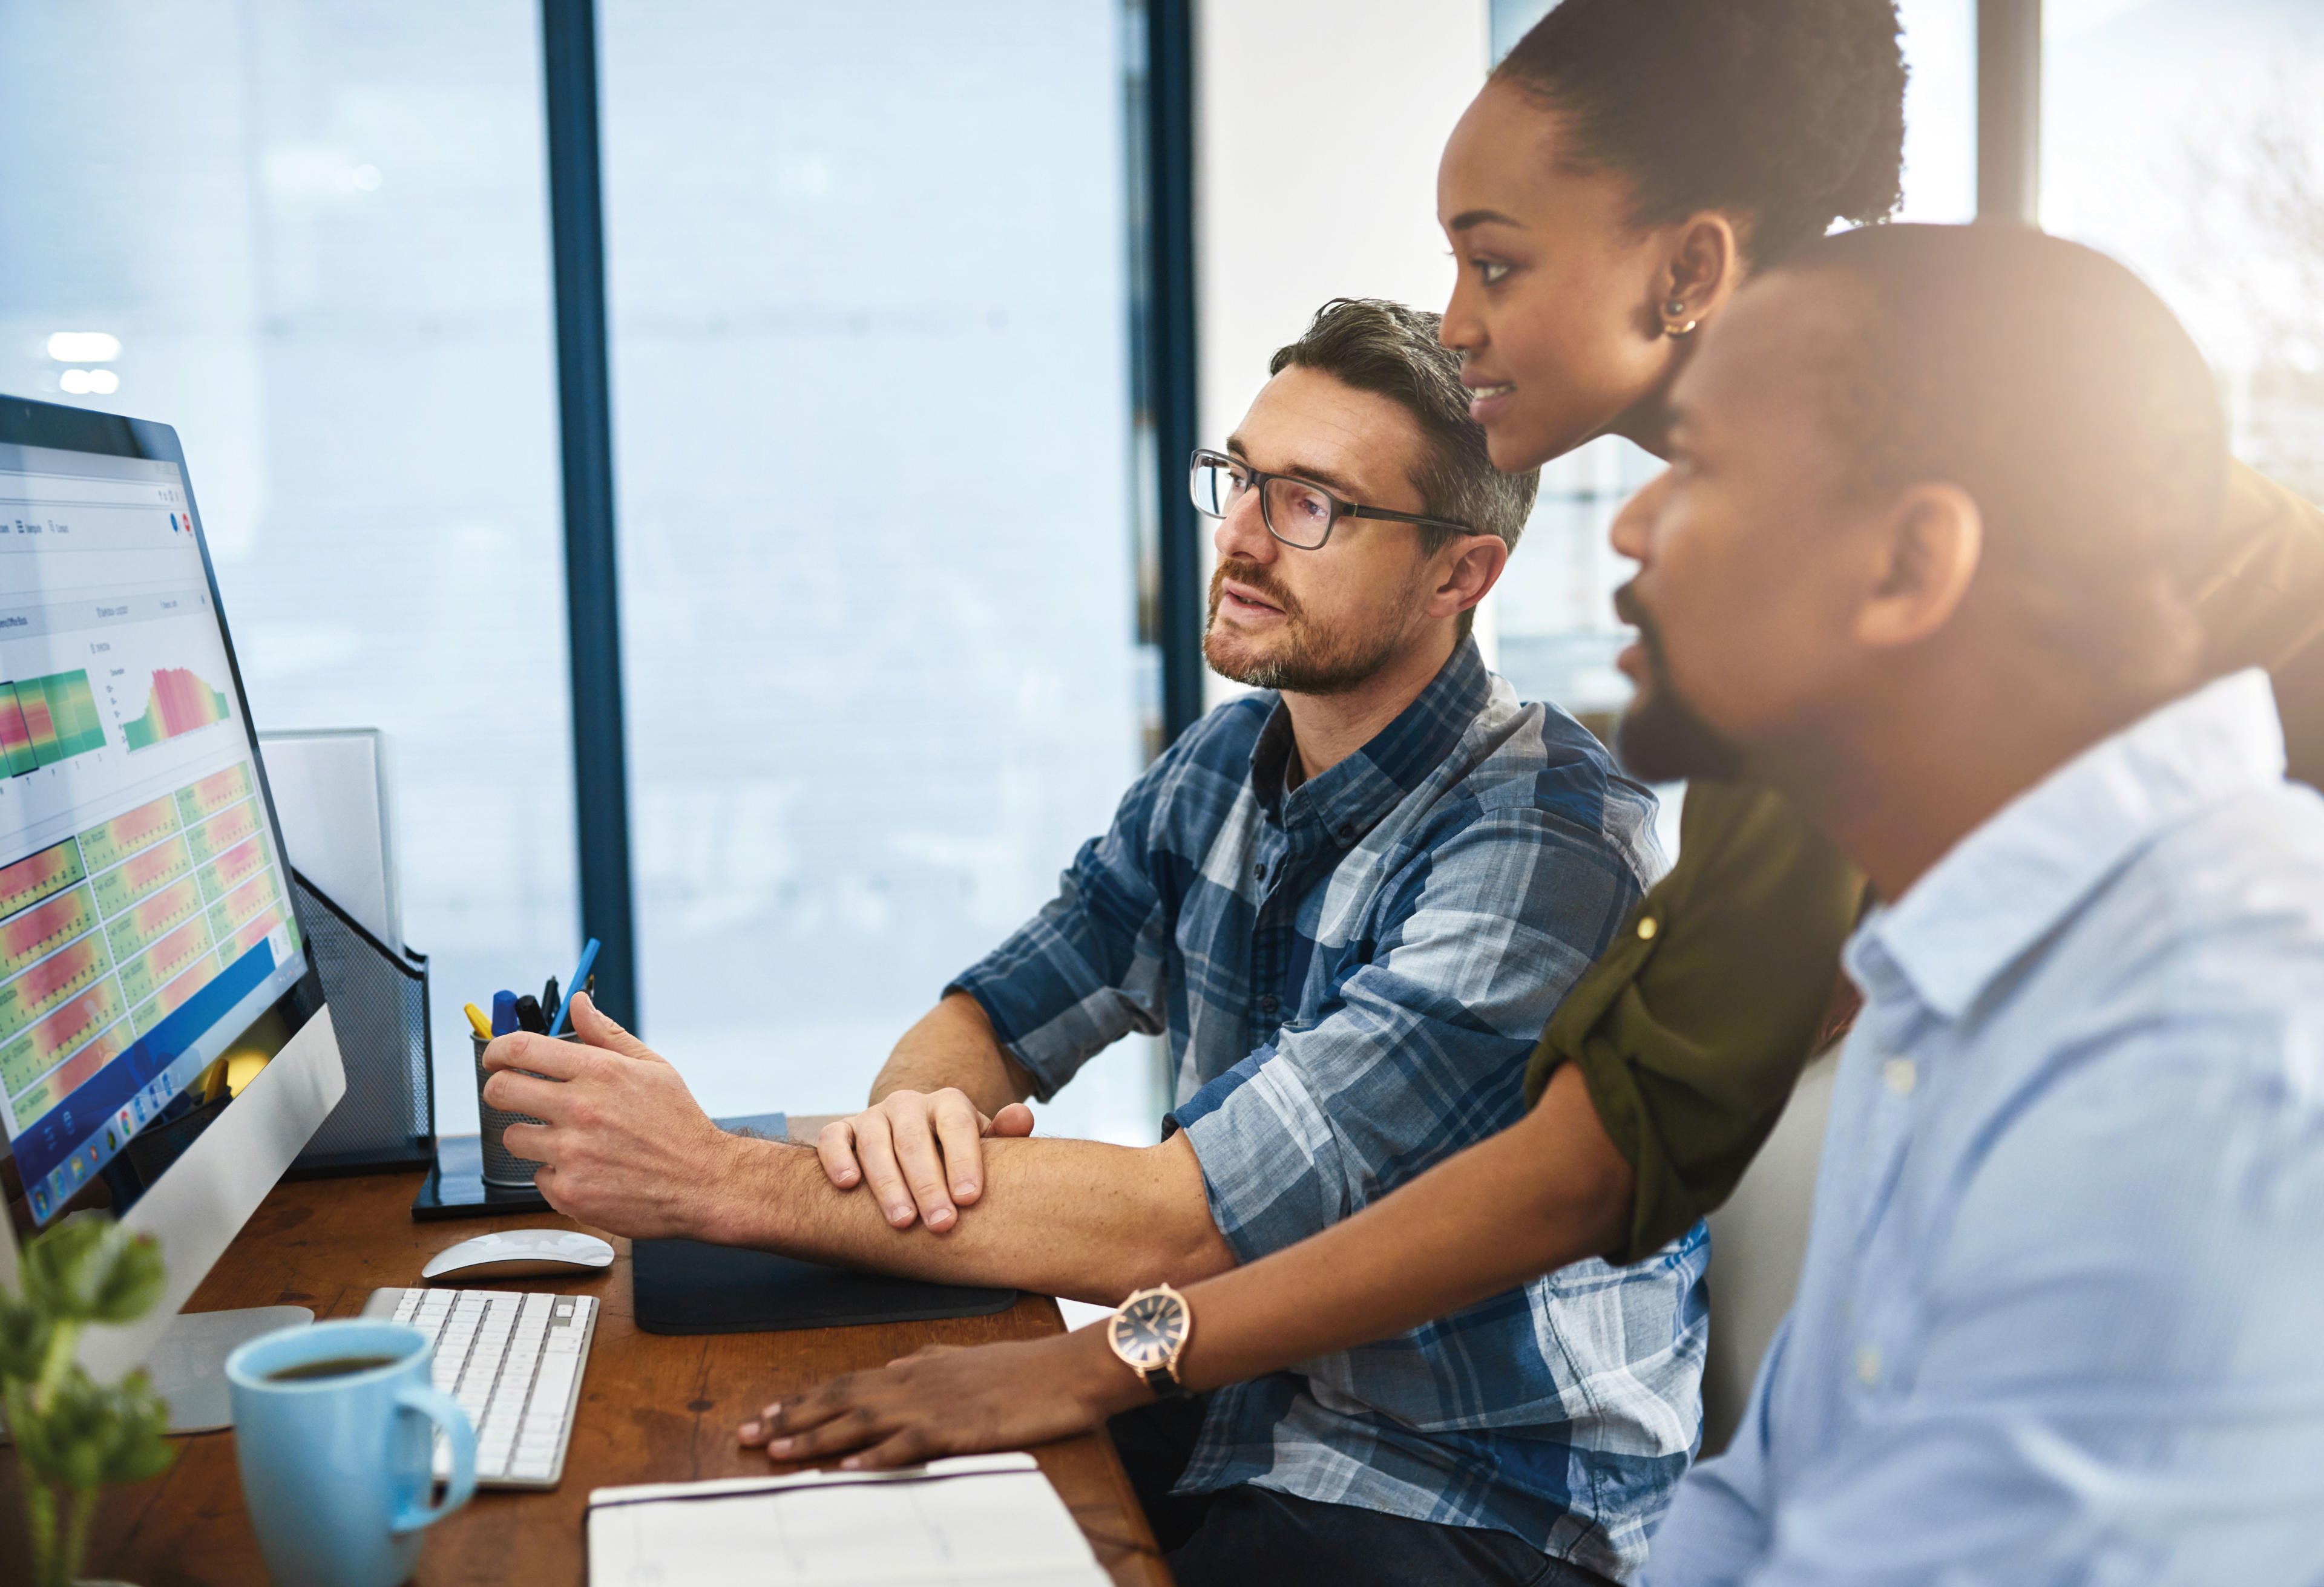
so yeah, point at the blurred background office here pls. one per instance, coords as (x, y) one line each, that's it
(910, 312)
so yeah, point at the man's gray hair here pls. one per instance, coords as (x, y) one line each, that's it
(1375, 346)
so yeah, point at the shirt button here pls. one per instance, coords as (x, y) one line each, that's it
(1867, 1365)
(1259, 871)
(1901, 1075)
(1269, 1004)
(1646, 929)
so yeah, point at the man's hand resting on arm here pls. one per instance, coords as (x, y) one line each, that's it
(625, 1147)
(919, 1146)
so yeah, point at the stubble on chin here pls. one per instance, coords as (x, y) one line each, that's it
(1661, 738)
(1299, 660)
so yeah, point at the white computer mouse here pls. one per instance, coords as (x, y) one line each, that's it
(519, 1253)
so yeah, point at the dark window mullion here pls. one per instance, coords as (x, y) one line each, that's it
(585, 408)
(1169, 352)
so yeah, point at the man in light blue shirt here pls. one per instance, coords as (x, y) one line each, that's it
(1919, 562)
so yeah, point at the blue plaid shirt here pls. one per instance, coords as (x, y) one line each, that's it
(1353, 975)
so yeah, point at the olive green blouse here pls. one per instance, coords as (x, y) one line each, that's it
(1691, 1031)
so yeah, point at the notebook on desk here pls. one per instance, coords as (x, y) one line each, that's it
(979, 1519)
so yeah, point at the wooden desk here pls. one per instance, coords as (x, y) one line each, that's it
(654, 1408)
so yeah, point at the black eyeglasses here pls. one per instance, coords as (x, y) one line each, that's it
(1295, 512)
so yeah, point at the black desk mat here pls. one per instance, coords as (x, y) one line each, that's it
(455, 1187)
(684, 1287)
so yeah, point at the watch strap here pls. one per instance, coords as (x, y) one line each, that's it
(1165, 1383)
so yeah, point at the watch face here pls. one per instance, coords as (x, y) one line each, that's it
(1149, 1329)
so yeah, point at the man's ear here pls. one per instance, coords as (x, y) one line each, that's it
(1932, 539)
(1476, 565)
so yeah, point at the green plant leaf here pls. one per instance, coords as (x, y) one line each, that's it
(87, 1435)
(24, 1335)
(140, 1450)
(89, 1270)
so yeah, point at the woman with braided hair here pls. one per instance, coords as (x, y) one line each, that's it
(1622, 173)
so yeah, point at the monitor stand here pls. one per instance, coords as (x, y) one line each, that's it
(187, 1367)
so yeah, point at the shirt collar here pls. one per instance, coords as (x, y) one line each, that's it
(2015, 877)
(1351, 798)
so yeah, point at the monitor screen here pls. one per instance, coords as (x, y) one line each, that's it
(146, 918)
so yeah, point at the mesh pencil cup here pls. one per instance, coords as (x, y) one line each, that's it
(502, 1167)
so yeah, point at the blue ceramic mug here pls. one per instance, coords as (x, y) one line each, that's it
(333, 1424)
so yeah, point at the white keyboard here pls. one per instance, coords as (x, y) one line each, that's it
(514, 1361)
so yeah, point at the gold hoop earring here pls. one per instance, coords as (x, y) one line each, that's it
(1672, 313)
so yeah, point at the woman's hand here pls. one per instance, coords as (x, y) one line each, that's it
(950, 1400)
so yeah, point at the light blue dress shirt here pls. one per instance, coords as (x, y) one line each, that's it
(2062, 1319)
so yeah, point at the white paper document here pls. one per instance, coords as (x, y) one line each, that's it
(981, 1519)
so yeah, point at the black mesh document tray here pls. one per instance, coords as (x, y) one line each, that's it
(379, 1013)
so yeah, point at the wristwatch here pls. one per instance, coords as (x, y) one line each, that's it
(1147, 1331)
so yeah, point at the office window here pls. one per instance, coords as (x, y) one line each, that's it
(2185, 140)
(1557, 633)
(316, 230)
(869, 316)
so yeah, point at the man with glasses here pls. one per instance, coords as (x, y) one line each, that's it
(1352, 900)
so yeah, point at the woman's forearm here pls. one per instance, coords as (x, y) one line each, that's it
(1549, 1190)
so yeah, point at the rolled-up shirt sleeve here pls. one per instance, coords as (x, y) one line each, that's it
(1423, 1050)
(1091, 966)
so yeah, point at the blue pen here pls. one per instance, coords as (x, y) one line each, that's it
(577, 981)
(504, 1013)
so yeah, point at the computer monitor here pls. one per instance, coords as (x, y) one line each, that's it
(162, 1029)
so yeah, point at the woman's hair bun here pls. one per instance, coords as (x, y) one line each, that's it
(1788, 115)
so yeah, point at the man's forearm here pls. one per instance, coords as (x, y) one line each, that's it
(1077, 1218)
(1548, 1191)
(953, 1044)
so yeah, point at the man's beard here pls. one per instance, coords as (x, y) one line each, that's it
(1308, 662)
(1661, 738)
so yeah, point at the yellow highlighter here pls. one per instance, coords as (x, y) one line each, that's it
(477, 1018)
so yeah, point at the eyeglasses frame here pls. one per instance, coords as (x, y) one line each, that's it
(1257, 480)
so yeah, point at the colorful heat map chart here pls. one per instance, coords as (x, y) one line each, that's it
(44, 720)
(125, 835)
(141, 976)
(58, 1083)
(135, 913)
(146, 923)
(244, 906)
(212, 793)
(213, 838)
(39, 876)
(22, 1060)
(150, 1013)
(51, 981)
(178, 703)
(257, 930)
(44, 927)
(231, 869)
(141, 873)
